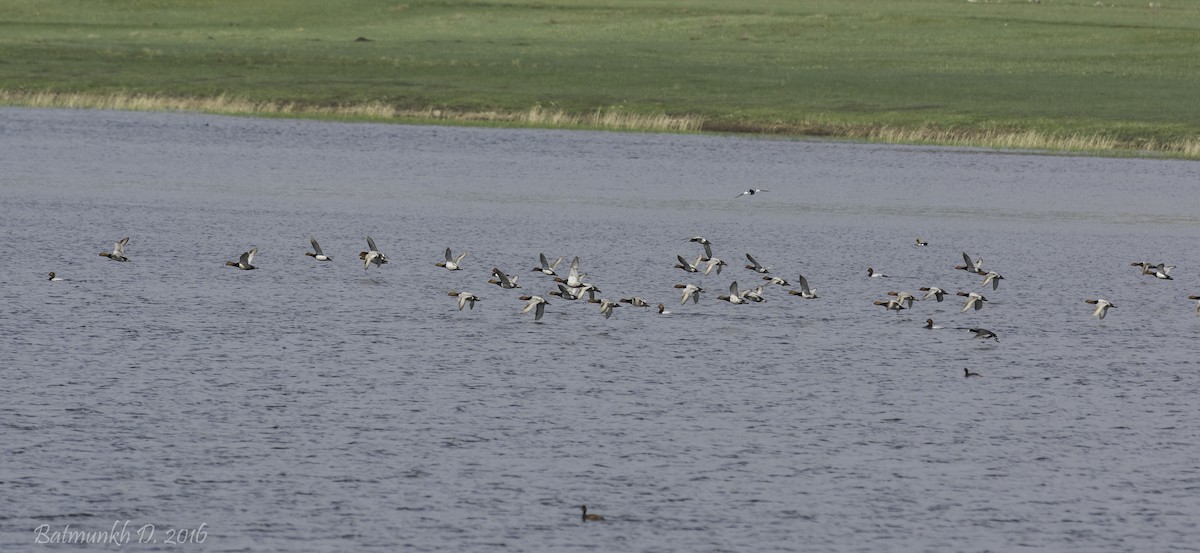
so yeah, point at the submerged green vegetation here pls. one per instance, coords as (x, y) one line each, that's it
(1110, 76)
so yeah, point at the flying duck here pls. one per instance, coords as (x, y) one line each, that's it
(372, 256)
(535, 302)
(973, 300)
(1102, 306)
(755, 266)
(690, 291)
(317, 254)
(707, 246)
(118, 253)
(244, 261)
(451, 263)
(984, 333)
(805, 292)
(546, 267)
(465, 299)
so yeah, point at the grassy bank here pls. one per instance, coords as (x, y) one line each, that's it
(1063, 75)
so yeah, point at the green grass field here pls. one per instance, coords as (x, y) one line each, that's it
(1119, 75)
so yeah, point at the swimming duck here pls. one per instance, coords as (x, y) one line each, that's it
(662, 310)
(707, 246)
(872, 274)
(688, 267)
(921, 242)
(973, 300)
(54, 277)
(535, 302)
(984, 333)
(318, 254)
(587, 517)
(451, 263)
(929, 324)
(635, 301)
(502, 279)
(1197, 298)
(933, 291)
(243, 262)
(118, 253)
(372, 256)
(734, 296)
(751, 192)
(690, 291)
(994, 278)
(1102, 306)
(968, 374)
(465, 298)
(714, 263)
(755, 266)
(546, 267)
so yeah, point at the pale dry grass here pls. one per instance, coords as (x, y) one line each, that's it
(604, 118)
(613, 119)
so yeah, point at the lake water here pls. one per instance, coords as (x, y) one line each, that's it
(310, 406)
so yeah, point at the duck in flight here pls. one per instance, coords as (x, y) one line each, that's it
(805, 292)
(973, 300)
(756, 266)
(688, 267)
(465, 299)
(714, 263)
(992, 277)
(751, 192)
(118, 253)
(734, 296)
(373, 256)
(971, 265)
(707, 246)
(501, 279)
(933, 291)
(984, 334)
(690, 291)
(317, 254)
(451, 262)
(244, 261)
(537, 303)
(546, 267)
(1102, 306)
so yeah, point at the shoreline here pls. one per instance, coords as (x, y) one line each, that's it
(617, 119)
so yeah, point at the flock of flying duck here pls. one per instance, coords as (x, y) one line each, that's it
(574, 287)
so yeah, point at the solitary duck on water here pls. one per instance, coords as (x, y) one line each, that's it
(465, 299)
(535, 302)
(244, 261)
(872, 274)
(1197, 298)
(921, 242)
(118, 253)
(968, 374)
(1102, 306)
(929, 324)
(589, 517)
(662, 310)
(54, 277)
(317, 253)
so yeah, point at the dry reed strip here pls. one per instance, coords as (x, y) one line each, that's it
(613, 118)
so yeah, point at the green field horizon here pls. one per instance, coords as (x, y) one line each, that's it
(1114, 78)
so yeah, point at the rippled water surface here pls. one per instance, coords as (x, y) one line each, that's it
(310, 406)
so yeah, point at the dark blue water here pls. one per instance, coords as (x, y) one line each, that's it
(310, 406)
